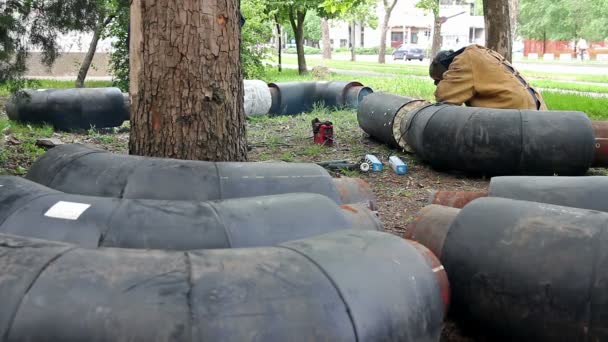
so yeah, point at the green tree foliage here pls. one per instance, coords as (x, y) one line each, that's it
(38, 23)
(12, 51)
(312, 28)
(18, 26)
(364, 13)
(293, 13)
(256, 33)
(564, 19)
(119, 58)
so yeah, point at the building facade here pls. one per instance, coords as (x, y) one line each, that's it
(414, 26)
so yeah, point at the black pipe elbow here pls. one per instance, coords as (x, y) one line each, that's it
(306, 290)
(502, 141)
(482, 140)
(380, 116)
(69, 109)
(298, 97)
(530, 271)
(590, 192)
(79, 169)
(32, 210)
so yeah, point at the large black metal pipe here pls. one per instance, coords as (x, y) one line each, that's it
(348, 286)
(503, 141)
(32, 210)
(84, 170)
(298, 97)
(69, 109)
(529, 271)
(578, 192)
(486, 140)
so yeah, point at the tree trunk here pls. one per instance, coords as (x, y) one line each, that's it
(325, 37)
(297, 24)
(513, 15)
(544, 43)
(388, 9)
(186, 80)
(498, 27)
(279, 43)
(88, 58)
(353, 56)
(436, 35)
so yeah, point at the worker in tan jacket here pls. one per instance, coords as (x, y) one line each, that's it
(480, 77)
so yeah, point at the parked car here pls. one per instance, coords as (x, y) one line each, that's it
(409, 53)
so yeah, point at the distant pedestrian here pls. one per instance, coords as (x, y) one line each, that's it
(582, 48)
(481, 77)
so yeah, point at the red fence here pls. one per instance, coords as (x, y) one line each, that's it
(562, 47)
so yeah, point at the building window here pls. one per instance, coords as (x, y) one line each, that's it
(343, 42)
(414, 36)
(475, 35)
(396, 36)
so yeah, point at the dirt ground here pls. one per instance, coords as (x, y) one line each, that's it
(400, 197)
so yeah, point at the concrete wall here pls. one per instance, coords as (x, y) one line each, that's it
(67, 65)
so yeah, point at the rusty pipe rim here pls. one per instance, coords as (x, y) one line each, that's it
(431, 227)
(355, 191)
(455, 199)
(439, 272)
(601, 153)
(600, 129)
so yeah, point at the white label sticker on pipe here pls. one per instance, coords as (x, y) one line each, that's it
(67, 210)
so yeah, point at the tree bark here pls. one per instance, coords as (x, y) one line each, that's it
(388, 9)
(498, 27)
(353, 56)
(279, 43)
(325, 38)
(297, 24)
(186, 80)
(88, 58)
(513, 15)
(436, 35)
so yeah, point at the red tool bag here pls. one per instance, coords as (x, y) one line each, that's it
(323, 132)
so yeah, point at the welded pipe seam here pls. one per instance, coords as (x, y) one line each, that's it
(32, 210)
(304, 290)
(68, 109)
(83, 170)
(530, 271)
(376, 116)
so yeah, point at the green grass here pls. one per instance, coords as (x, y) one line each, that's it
(596, 108)
(421, 70)
(566, 77)
(412, 70)
(588, 88)
(5, 88)
(16, 156)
